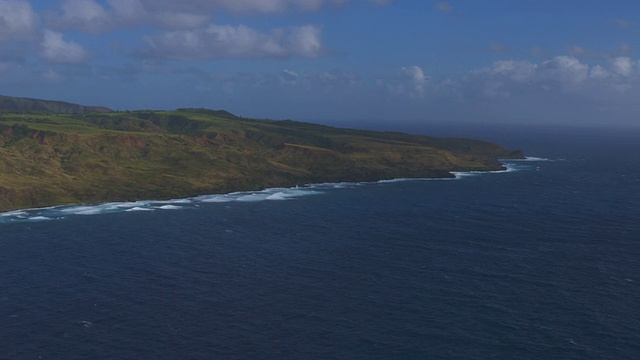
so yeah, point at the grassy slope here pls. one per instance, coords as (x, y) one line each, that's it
(24, 105)
(71, 158)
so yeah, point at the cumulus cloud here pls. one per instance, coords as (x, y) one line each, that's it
(219, 41)
(54, 48)
(17, 20)
(556, 78)
(561, 88)
(266, 6)
(323, 80)
(410, 83)
(623, 66)
(416, 80)
(94, 17)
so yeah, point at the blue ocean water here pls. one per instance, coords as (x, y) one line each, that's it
(538, 262)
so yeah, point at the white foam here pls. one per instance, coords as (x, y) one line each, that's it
(78, 209)
(393, 180)
(463, 174)
(176, 201)
(277, 196)
(527, 158)
(137, 208)
(252, 198)
(13, 213)
(39, 218)
(213, 198)
(170, 207)
(333, 185)
(287, 194)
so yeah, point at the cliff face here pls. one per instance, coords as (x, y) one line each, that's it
(50, 159)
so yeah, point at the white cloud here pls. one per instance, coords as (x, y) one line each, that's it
(305, 41)
(219, 41)
(598, 72)
(87, 15)
(90, 16)
(179, 20)
(416, 79)
(54, 48)
(128, 9)
(411, 83)
(93, 17)
(312, 80)
(52, 76)
(519, 71)
(562, 78)
(567, 70)
(17, 20)
(244, 6)
(623, 66)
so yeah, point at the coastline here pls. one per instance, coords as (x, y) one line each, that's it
(278, 193)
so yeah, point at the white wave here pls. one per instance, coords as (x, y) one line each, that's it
(13, 213)
(507, 168)
(463, 174)
(125, 204)
(287, 194)
(277, 196)
(297, 192)
(137, 208)
(214, 199)
(527, 158)
(170, 207)
(83, 210)
(393, 180)
(252, 197)
(333, 185)
(176, 201)
(39, 218)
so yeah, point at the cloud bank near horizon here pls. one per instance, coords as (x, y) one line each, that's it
(317, 58)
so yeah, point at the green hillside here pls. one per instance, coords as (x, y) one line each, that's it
(26, 105)
(49, 159)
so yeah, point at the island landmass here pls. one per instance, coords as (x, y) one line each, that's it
(55, 153)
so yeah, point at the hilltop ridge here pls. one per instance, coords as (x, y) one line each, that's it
(27, 105)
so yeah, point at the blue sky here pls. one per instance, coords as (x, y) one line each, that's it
(528, 61)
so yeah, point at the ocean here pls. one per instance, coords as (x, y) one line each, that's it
(541, 261)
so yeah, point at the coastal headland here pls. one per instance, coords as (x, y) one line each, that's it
(54, 153)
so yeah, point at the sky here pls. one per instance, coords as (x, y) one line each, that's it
(570, 62)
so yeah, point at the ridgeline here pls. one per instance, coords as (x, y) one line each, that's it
(10, 104)
(61, 153)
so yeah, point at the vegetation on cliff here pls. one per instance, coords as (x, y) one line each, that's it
(50, 159)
